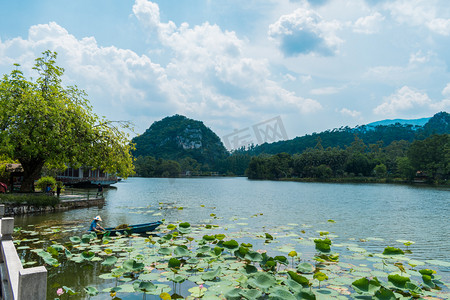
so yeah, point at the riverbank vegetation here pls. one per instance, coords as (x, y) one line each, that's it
(32, 199)
(399, 161)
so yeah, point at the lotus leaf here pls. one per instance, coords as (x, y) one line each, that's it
(393, 251)
(174, 263)
(109, 261)
(171, 227)
(398, 281)
(91, 291)
(262, 281)
(87, 255)
(67, 253)
(107, 276)
(218, 251)
(165, 296)
(365, 286)
(233, 294)
(231, 245)
(165, 251)
(132, 266)
(149, 277)
(320, 276)
(299, 278)
(268, 236)
(306, 294)
(178, 278)
(292, 254)
(193, 260)
(51, 261)
(384, 294)
(197, 292)
(75, 239)
(280, 293)
(209, 238)
(323, 245)
(249, 269)
(53, 251)
(305, 268)
(428, 272)
(211, 275)
(69, 291)
(204, 249)
(281, 259)
(253, 256)
(250, 294)
(181, 251)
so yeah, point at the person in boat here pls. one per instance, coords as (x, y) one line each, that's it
(95, 226)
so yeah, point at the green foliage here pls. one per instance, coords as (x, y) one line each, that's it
(44, 181)
(30, 199)
(393, 251)
(45, 123)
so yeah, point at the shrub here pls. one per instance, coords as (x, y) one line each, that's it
(29, 199)
(44, 181)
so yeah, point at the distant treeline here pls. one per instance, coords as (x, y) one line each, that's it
(234, 165)
(400, 159)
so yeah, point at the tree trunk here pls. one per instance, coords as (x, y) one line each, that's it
(31, 172)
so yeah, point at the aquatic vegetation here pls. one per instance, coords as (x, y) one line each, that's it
(202, 261)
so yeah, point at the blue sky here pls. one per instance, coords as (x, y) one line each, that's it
(317, 65)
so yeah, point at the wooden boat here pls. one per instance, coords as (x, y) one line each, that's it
(139, 228)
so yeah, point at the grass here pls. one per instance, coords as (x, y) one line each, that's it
(34, 199)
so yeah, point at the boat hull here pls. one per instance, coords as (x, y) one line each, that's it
(139, 228)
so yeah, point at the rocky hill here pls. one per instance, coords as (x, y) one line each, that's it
(178, 137)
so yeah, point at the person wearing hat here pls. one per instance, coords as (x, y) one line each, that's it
(95, 226)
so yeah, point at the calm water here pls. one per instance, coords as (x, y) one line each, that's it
(361, 211)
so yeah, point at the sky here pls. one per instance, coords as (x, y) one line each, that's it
(309, 65)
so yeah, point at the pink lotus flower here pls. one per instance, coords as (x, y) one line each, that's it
(200, 286)
(59, 292)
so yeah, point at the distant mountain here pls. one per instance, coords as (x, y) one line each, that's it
(178, 137)
(370, 134)
(414, 122)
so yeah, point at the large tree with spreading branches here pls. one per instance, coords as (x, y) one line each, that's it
(43, 123)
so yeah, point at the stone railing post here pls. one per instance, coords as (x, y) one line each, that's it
(2, 210)
(7, 228)
(32, 283)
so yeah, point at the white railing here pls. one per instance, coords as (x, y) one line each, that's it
(18, 283)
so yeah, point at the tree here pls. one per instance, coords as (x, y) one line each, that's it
(45, 123)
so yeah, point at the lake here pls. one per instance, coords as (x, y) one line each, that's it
(368, 216)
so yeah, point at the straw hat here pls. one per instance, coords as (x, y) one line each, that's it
(98, 218)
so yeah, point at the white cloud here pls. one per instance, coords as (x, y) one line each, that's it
(351, 113)
(404, 99)
(418, 57)
(446, 90)
(329, 90)
(304, 31)
(369, 24)
(421, 13)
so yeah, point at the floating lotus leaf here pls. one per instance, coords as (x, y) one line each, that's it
(171, 227)
(204, 249)
(211, 275)
(268, 236)
(280, 293)
(51, 261)
(305, 294)
(393, 251)
(292, 254)
(365, 286)
(398, 281)
(384, 294)
(125, 288)
(220, 236)
(209, 238)
(165, 251)
(87, 255)
(253, 256)
(75, 239)
(193, 260)
(250, 294)
(184, 228)
(178, 278)
(69, 291)
(109, 261)
(107, 276)
(413, 288)
(197, 292)
(181, 251)
(299, 278)
(174, 263)
(249, 269)
(149, 277)
(233, 294)
(231, 245)
(293, 285)
(58, 247)
(132, 265)
(262, 281)
(305, 268)
(91, 291)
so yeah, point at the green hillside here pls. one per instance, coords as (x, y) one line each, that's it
(178, 137)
